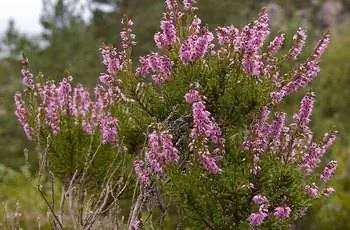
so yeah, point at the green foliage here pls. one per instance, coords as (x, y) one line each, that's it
(22, 206)
(12, 140)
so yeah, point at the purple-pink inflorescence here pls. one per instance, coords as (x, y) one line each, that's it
(293, 143)
(160, 152)
(276, 44)
(57, 102)
(204, 130)
(256, 218)
(299, 39)
(282, 212)
(260, 199)
(156, 66)
(196, 47)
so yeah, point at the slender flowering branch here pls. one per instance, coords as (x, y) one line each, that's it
(276, 44)
(156, 66)
(299, 42)
(204, 129)
(160, 152)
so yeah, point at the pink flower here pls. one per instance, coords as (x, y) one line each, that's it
(312, 190)
(276, 43)
(111, 60)
(160, 152)
(228, 36)
(27, 78)
(167, 36)
(210, 165)
(22, 116)
(192, 96)
(321, 45)
(260, 199)
(306, 107)
(195, 47)
(299, 42)
(109, 130)
(156, 66)
(282, 212)
(141, 172)
(257, 218)
(189, 5)
(328, 191)
(328, 171)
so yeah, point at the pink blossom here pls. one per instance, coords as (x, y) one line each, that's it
(328, 191)
(299, 42)
(328, 171)
(167, 36)
(160, 152)
(282, 212)
(321, 45)
(190, 5)
(192, 96)
(195, 47)
(312, 190)
(276, 44)
(22, 116)
(111, 60)
(141, 172)
(109, 130)
(260, 199)
(257, 218)
(156, 66)
(228, 36)
(210, 165)
(27, 78)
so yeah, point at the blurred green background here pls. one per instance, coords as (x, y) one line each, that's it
(68, 45)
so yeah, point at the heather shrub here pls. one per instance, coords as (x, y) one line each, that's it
(190, 136)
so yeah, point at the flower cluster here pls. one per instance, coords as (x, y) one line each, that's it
(205, 130)
(190, 5)
(127, 36)
(321, 46)
(113, 63)
(160, 152)
(304, 75)
(196, 47)
(257, 218)
(292, 142)
(115, 60)
(313, 191)
(227, 36)
(57, 103)
(156, 66)
(22, 116)
(276, 44)
(248, 42)
(282, 212)
(167, 36)
(328, 171)
(299, 42)
(27, 78)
